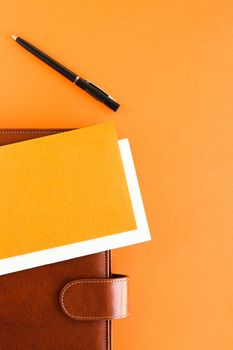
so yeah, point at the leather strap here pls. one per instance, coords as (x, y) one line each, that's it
(96, 299)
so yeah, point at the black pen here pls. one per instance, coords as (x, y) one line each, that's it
(86, 85)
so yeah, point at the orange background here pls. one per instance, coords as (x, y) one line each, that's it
(169, 63)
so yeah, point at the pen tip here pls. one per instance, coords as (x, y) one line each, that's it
(14, 37)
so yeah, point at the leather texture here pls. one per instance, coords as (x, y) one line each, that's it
(96, 299)
(31, 317)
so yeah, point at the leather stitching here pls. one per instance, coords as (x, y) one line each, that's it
(29, 131)
(107, 345)
(92, 281)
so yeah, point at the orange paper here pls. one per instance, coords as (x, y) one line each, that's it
(61, 189)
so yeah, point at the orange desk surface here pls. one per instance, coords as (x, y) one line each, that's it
(169, 64)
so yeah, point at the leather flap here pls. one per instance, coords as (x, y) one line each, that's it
(96, 299)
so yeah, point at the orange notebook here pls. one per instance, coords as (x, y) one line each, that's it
(67, 195)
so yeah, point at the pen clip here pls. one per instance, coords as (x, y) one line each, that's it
(104, 92)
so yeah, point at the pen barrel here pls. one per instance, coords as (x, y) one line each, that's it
(97, 93)
(86, 85)
(47, 59)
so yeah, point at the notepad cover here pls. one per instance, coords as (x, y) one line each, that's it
(62, 189)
